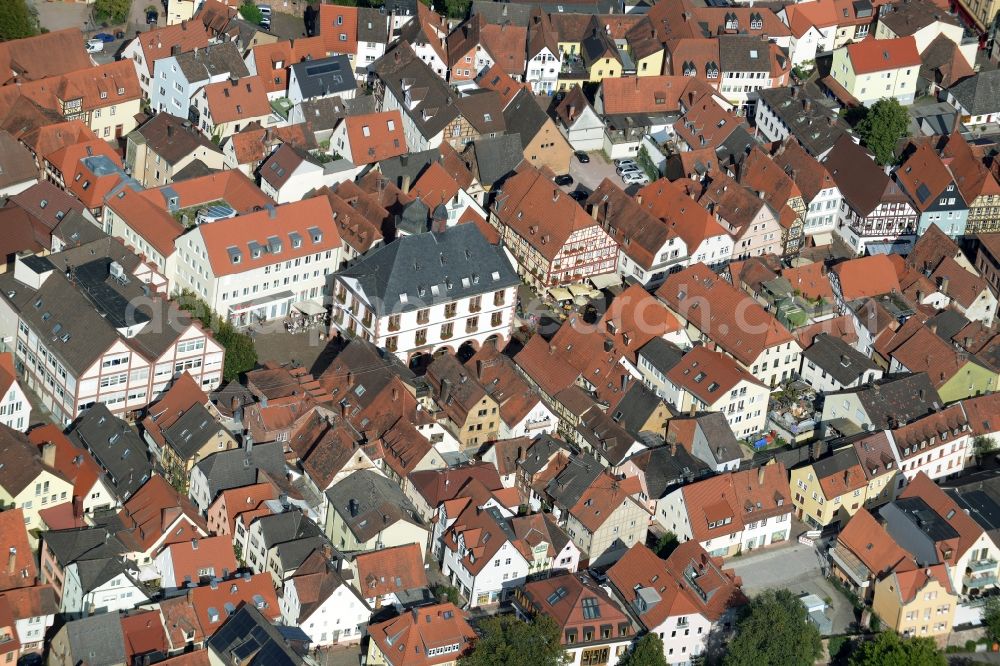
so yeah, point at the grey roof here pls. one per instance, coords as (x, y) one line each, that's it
(744, 53)
(115, 446)
(667, 466)
(896, 399)
(525, 117)
(497, 157)
(835, 464)
(237, 467)
(368, 502)
(409, 165)
(414, 272)
(909, 17)
(247, 638)
(372, 25)
(569, 485)
(401, 7)
(981, 500)
(97, 640)
(193, 430)
(415, 218)
(842, 361)
(916, 527)
(194, 169)
(635, 408)
(499, 13)
(287, 526)
(170, 137)
(431, 103)
(75, 229)
(724, 446)
(540, 452)
(213, 60)
(979, 94)
(325, 112)
(661, 354)
(324, 77)
(808, 114)
(87, 313)
(79, 544)
(94, 573)
(947, 324)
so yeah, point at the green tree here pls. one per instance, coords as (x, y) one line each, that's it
(882, 128)
(241, 355)
(16, 20)
(774, 629)
(446, 593)
(250, 12)
(983, 445)
(666, 545)
(509, 641)
(888, 649)
(991, 618)
(647, 652)
(457, 9)
(115, 11)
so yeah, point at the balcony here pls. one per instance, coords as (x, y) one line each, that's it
(979, 566)
(979, 582)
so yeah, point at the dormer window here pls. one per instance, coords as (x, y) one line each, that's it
(296, 240)
(732, 23)
(756, 22)
(104, 94)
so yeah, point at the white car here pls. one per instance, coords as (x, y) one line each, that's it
(94, 46)
(628, 168)
(624, 162)
(635, 177)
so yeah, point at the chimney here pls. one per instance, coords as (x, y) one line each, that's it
(175, 50)
(555, 194)
(170, 130)
(49, 454)
(943, 285)
(806, 104)
(12, 561)
(405, 185)
(350, 379)
(638, 199)
(760, 475)
(445, 390)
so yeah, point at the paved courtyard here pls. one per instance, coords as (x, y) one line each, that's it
(589, 176)
(798, 568)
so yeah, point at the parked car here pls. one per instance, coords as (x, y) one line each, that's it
(579, 195)
(635, 177)
(152, 17)
(628, 168)
(564, 179)
(625, 161)
(582, 157)
(265, 10)
(265, 23)
(105, 37)
(94, 46)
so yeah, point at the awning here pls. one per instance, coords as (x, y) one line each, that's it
(309, 309)
(560, 294)
(263, 300)
(822, 238)
(580, 290)
(605, 281)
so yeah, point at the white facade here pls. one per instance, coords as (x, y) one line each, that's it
(118, 594)
(508, 570)
(415, 139)
(539, 420)
(340, 619)
(446, 324)
(975, 120)
(15, 410)
(824, 382)
(586, 133)
(31, 631)
(171, 92)
(672, 254)
(823, 211)
(671, 513)
(542, 72)
(684, 637)
(946, 458)
(745, 406)
(714, 250)
(368, 52)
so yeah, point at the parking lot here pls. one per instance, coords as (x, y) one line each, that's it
(798, 568)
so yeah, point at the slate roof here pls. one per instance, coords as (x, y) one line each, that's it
(97, 640)
(573, 481)
(115, 446)
(842, 361)
(896, 399)
(817, 127)
(213, 60)
(662, 354)
(193, 430)
(496, 157)
(406, 76)
(666, 466)
(231, 469)
(414, 272)
(525, 117)
(979, 94)
(541, 450)
(171, 138)
(368, 502)
(324, 77)
(88, 543)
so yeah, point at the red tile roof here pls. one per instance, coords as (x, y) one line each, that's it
(651, 94)
(295, 217)
(237, 99)
(74, 464)
(708, 375)
(182, 395)
(869, 541)
(44, 55)
(878, 55)
(249, 589)
(144, 633)
(390, 570)
(730, 500)
(17, 552)
(406, 639)
(272, 61)
(728, 316)
(669, 202)
(159, 42)
(158, 511)
(338, 26)
(188, 557)
(375, 136)
(575, 601)
(810, 280)
(866, 277)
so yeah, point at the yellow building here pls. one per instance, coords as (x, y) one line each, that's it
(917, 602)
(871, 70)
(833, 489)
(27, 480)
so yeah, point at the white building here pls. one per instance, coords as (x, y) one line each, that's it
(428, 292)
(318, 600)
(830, 364)
(99, 337)
(15, 410)
(177, 78)
(255, 267)
(117, 588)
(940, 445)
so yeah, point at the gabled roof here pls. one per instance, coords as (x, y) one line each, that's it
(923, 176)
(41, 56)
(878, 55)
(19, 568)
(428, 101)
(272, 61)
(978, 94)
(21, 462)
(188, 557)
(236, 99)
(574, 600)
(722, 504)
(374, 137)
(390, 570)
(708, 375)
(861, 181)
(866, 277)
(161, 42)
(684, 291)
(156, 508)
(497, 80)
(407, 638)
(842, 361)
(870, 543)
(367, 502)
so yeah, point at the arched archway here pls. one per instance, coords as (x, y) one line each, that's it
(419, 361)
(467, 350)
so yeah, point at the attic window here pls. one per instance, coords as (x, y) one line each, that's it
(366, 130)
(104, 94)
(43, 203)
(121, 91)
(487, 117)
(391, 125)
(699, 377)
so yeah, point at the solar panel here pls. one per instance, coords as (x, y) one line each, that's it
(323, 68)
